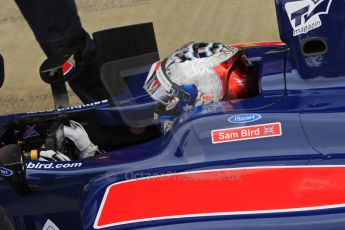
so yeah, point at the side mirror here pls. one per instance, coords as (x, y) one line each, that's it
(58, 69)
(12, 169)
(2, 71)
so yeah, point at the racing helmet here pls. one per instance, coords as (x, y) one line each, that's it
(198, 74)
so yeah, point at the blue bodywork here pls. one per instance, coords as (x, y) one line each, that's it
(307, 100)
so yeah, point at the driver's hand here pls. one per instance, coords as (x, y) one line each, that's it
(80, 138)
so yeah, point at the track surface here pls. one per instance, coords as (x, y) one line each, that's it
(176, 23)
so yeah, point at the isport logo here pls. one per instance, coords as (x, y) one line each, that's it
(304, 15)
(52, 165)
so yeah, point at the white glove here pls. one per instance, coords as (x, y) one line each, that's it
(51, 155)
(78, 135)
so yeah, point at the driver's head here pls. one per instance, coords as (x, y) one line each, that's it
(200, 73)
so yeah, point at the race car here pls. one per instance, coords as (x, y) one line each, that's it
(274, 160)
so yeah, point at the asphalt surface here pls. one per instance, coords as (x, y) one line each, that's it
(176, 22)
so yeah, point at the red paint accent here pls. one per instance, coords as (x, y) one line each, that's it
(223, 69)
(157, 65)
(273, 43)
(223, 191)
(246, 133)
(154, 85)
(66, 67)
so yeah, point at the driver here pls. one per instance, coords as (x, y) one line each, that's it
(198, 74)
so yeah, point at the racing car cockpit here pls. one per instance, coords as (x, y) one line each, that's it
(108, 130)
(128, 116)
(81, 132)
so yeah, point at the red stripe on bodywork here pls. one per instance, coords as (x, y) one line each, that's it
(275, 43)
(223, 192)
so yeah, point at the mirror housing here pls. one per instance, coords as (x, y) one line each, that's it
(12, 168)
(2, 71)
(58, 69)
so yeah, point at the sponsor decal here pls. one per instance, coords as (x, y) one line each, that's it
(244, 118)
(5, 172)
(209, 97)
(86, 106)
(30, 132)
(304, 15)
(163, 80)
(246, 133)
(51, 165)
(207, 193)
(49, 225)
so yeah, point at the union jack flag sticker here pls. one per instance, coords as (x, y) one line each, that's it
(269, 130)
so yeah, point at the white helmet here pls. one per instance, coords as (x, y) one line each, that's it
(194, 75)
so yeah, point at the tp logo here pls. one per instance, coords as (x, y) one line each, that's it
(304, 15)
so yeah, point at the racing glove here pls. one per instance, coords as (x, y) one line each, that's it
(54, 148)
(51, 155)
(76, 133)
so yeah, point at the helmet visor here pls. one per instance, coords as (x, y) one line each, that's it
(158, 86)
